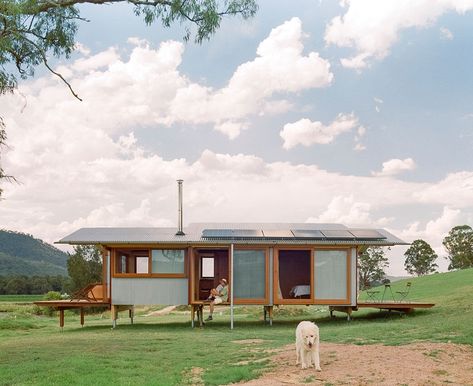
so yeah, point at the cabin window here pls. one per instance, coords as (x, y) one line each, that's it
(330, 274)
(208, 268)
(129, 261)
(168, 261)
(294, 275)
(249, 274)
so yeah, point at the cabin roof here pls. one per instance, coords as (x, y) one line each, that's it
(237, 233)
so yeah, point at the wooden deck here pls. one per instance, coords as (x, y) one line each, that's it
(395, 306)
(73, 303)
(62, 305)
(404, 307)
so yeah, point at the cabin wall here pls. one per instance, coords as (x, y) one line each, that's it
(149, 291)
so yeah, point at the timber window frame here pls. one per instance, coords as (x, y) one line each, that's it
(131, 255)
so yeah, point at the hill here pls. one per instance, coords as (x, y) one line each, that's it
(22, 254)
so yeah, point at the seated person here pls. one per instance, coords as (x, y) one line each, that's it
(218, 295)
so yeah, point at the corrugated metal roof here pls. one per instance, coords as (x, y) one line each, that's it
(193, 235)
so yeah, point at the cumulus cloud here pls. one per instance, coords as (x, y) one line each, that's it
(306, 132)
(395, 166)
(146, 87)
(433, 232)
(345, 210)
(371, 27)
(279, 67)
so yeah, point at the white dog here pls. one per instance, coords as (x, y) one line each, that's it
(307, 345)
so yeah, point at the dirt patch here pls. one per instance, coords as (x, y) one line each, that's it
(248, 341)
(414, 364)
(193, 376)
(164, 311)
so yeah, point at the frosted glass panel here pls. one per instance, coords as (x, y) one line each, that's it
(208, 267)
(168, 260)
(142, 264)
(330, 274)
(249, 269)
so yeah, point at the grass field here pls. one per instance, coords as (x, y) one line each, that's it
(20, 298)
(163, 350)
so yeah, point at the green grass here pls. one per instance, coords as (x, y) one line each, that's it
(20, 298)
(163, 350)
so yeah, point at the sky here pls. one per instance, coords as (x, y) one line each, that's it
(357, 112)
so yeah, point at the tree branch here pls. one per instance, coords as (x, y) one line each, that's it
(45, 61)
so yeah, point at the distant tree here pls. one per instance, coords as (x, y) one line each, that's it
(371, 265)
(420, 258)
(17, 285)
(459, 245)
(84, 266)
(39, 285)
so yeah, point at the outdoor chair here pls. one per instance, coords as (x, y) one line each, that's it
(403, 294)
(86, 293)
(372, 295)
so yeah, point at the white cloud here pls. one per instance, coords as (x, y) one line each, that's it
(446, 34)
(360, 133)
(371, 27)
(146, 88)
(433, 232)
(279, 67)
(345, 210)
(231, 129)
(455, 190)
(306, 132)
(395, 166)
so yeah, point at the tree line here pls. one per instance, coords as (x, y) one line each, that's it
(84, 266)
(32, 285)
(419, 257)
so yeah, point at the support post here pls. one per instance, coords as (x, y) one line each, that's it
(192, 315)
(231, 286)
(114, 316)
(200, 314)
(131, 313)
(61, 317)
(82, 317)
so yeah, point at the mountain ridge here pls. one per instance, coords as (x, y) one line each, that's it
(23, 254)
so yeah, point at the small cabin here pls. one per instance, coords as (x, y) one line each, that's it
(265, 264)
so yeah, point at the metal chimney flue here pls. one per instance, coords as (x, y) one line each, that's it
(180, 232)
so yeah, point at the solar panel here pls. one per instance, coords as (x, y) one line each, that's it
(217, 233)
(278, 234)
(337, 234)
(367, 234)
(232, 233)
(307, 234)
(247, 233)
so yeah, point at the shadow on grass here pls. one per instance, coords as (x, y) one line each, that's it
(282, 323)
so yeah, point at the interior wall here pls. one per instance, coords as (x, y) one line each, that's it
(294, 269)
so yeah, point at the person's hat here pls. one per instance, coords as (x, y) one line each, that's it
(224, 280)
